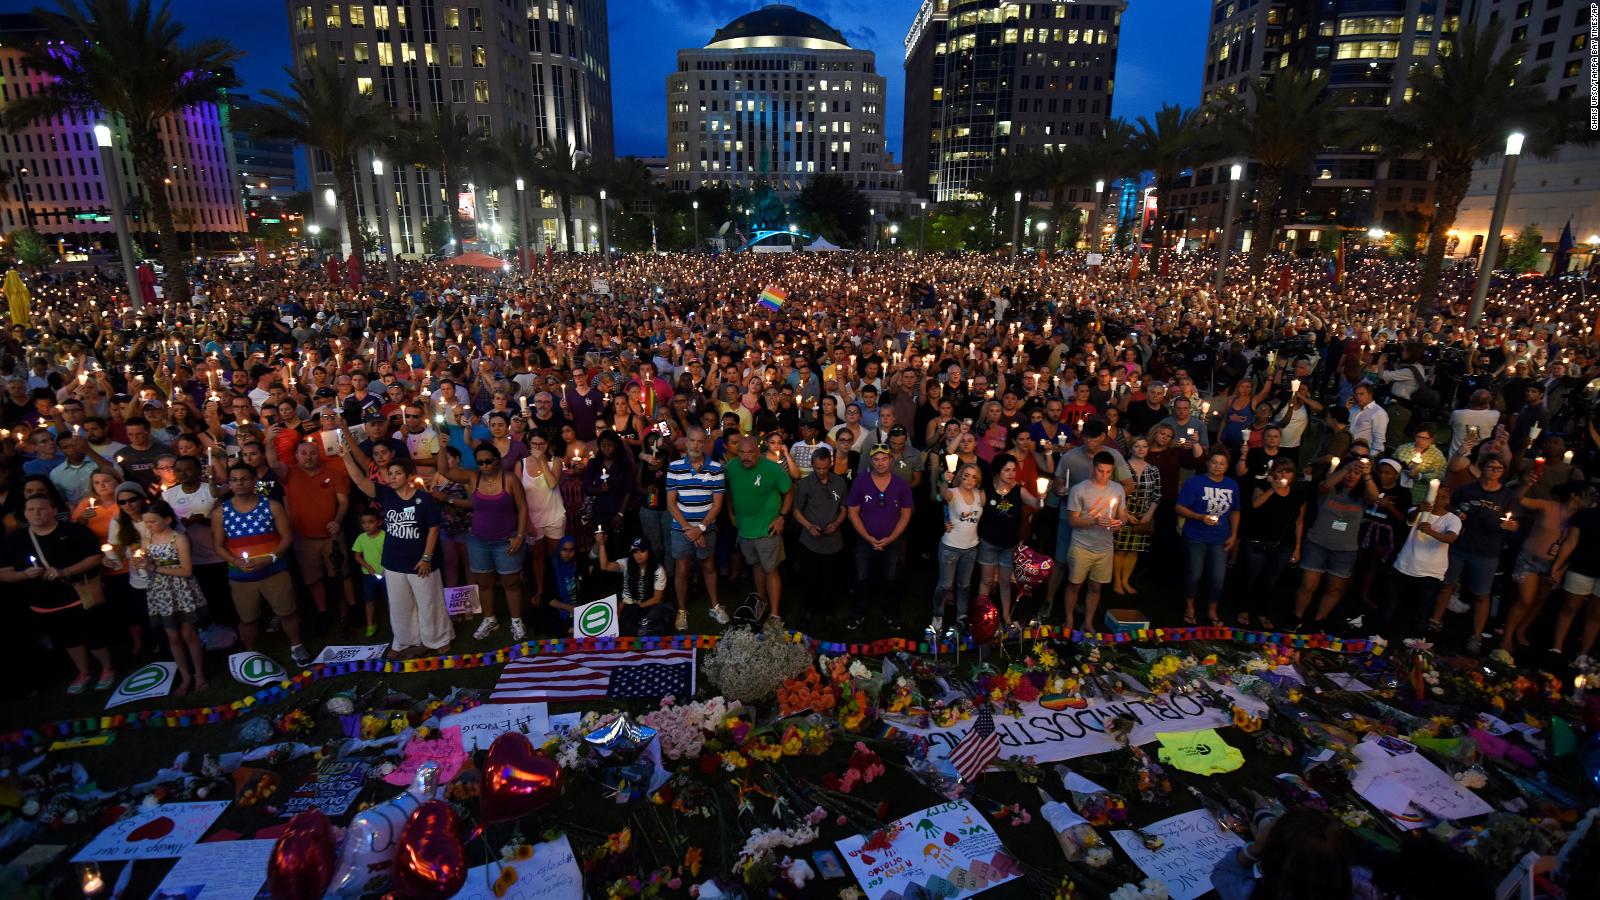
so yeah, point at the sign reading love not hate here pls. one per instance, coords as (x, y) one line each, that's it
(160, 832)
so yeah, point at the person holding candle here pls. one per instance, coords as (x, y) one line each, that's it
(1209, 505)
(1486, 508)
(1421, 461)
(1095, 507)
(962, 493)
(1577, 570)
(252, 535)
(1421, 565)
(1533, 570)
(50, 559)
(1133, 538)
(175, 602)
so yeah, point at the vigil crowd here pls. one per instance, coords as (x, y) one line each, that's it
(858, 444)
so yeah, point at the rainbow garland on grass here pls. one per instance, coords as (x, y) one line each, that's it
(209, 715)
(772, 298)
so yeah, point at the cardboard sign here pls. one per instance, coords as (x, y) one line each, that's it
(444, 750)
(161, 832)
(1390, 766)
(948, 851)
(146, 682)
(597, 619)
(255, 669)
(221, 870)
(480, 725)
(552, 873)
(343, 653)
(332, 788)
(462, 601)
(1095, 259)
(1192, 844)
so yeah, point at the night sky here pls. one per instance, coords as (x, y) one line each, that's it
(1163, 49)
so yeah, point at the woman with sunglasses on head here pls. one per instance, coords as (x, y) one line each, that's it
(495, 542)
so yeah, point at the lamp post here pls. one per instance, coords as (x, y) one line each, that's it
(605, 230)
(113, 176)
(330, 197)
(22, 188)
(1227, 225)
(696, 205)
(1016, 225)
(1041, 226)
(383, 225)
(1491, 241)
(523, 264)
(922, 226)
(1094, 223)
(794, 235)
(872, 219)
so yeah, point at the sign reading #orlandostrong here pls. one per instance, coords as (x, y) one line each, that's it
(1054, 735)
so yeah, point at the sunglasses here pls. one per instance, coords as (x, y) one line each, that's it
(124, 501)
(485, 461)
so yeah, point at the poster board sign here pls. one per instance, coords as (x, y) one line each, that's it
(462, 601)
(1191, 845)
(948, 851)
(160, 832)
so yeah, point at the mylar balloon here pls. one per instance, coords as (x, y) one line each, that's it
(516, 780)
(1030, 568)
(985, 619)
(431, 863)
(301, 864)
(373, 836)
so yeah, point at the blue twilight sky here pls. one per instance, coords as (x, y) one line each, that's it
(1163, 50)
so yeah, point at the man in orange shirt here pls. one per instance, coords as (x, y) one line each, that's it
(316, 495)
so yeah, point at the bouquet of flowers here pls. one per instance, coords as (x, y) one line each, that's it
(750, 666)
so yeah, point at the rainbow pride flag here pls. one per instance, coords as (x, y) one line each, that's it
(772, 298)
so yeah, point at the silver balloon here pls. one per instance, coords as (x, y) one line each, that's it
(372, 839)
(620, 735)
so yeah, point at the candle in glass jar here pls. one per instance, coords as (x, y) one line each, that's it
(1567, 457)
(1433, 489)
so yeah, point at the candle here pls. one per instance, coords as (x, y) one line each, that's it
(1246, 444)
(107, 548)
(523, 402)
(1043, 485)
(1113, 513)
(1433, 489)
(1538, 465)
(1294, 385)
(1333, 463)
(89, 879)
(1416, 459)
(950, 460)
(246, 556)
(1567, 457)
(33, 561)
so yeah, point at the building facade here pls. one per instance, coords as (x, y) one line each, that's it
(539, 68)
(1367, 51)
(267, 168)
(56, 183)
(777, 96)
(1547, 193)
(992, 79)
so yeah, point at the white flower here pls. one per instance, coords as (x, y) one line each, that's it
(1471, 778)
(1097, 857)
(798, 871)
(859, 670)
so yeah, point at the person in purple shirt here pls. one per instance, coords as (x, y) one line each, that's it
(879, 507)
(583, 403)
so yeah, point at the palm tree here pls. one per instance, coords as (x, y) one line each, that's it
(998, 187)
(324, 109)
(1167, 146)
(126, 61)
(509, 158)
(1055, 172)
(1110, 156)
(1459, 114)
(1282, 122)
(448, 144)
(565, 173)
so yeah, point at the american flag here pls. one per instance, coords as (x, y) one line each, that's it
(596, 676)
(978, 748)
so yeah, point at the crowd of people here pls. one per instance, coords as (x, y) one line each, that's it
(291, 450)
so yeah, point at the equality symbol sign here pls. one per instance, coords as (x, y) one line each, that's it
(152, 680)
(597, 619)
(255, 669)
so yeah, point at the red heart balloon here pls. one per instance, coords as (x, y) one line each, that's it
(430, 862)
(516, 779)
(302, 861)
(985, 620)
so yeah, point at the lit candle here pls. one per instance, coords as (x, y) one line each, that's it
(950, 460)
(1043, 485)
(1246, 444)
(1294, 385)
(1538, 465)
(1113, 513)
(1333, 463)
(1433, 489)
(1567, 457)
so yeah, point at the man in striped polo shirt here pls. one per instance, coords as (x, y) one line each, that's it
(695, 486)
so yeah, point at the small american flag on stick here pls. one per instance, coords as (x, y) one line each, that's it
(978, 748)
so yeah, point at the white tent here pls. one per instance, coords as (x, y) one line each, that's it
(821, 244)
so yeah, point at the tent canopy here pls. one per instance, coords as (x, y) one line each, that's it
(477, 261)
(821, 244)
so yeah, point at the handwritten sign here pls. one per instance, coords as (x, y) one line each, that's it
(444, 750)
(1052, 736)
(160, 832)
(344, 653)
(332, 788)
(480, 725)
(948, 851)
(1388, 763)
(462, 601)
(552, 873)
(1192, 844)
(222, 870)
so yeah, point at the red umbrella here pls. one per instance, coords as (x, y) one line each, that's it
(333, 270)
(476, 260)
(353, 270)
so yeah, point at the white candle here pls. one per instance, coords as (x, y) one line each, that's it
(1433, 489)
(1043, 485)
(1113, 508)
(1333, 463)
(950, 460)
(1246, 444)
(1294, 385)
(1567, 457)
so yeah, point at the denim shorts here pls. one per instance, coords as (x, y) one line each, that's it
(1531, 564)
(484, 557)
(994, 555)
(1474, 572)
(1316, 558)
(683, 548)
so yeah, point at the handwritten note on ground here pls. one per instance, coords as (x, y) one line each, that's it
(1193, 844)
(224, 870)
(1388, 762)
(444, 750)
(551, 874)
(948, 851)
(334, 786)
(160, 832)
(482, 724)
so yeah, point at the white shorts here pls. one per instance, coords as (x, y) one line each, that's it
(1581, 585)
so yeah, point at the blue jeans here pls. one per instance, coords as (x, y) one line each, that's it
(874, 579)
(955, 572)
(1208, 562)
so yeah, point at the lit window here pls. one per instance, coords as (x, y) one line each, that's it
(363, 85)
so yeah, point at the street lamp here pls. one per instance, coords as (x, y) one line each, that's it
(894, 233)
(1234, 174)
(605, 230)
(108, 162)
(524, 265)
(696, 205)
(1094, 225)
(22, 188)
(872, 218)
(1040, 227)
(1491, 242)
(383, 225)
(1376, 233)
(1016, 225)
(922, 226)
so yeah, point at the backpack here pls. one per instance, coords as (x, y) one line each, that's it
(1426, 396)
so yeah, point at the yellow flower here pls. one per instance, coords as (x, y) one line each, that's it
(691, 860)
(524, 852)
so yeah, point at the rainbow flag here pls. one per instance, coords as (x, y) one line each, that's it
(772, 298)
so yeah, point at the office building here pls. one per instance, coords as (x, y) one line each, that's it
(1367, 52)
(991, 79)
(56, 184)
(777, 96)
(267, 169)
(540, 68)
(1548, 193)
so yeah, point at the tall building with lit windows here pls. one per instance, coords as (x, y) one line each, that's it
(990, 79)
(777, 96)
(541, 68)
(1366, 49)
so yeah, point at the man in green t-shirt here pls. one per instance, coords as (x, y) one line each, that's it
(759, 489)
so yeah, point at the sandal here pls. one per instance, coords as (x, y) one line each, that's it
(79, 684)
(1190, 620)
(1243, 621)
(1264, 623)
(108, 679)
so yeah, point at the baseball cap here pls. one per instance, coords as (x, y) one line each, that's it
(638, 545)
(375, 416)
(324, 393)
(897, 431)
(882, 449)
